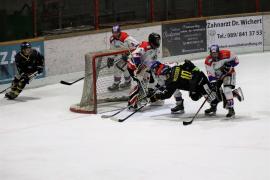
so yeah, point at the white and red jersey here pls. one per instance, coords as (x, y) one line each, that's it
(213, 68)
(144, 54)
(124, 40)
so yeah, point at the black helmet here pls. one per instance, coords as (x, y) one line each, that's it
(154, 40)
(25, 45)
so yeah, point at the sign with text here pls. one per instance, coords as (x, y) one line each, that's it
(234, 32)
(7, 60)
(183, 38)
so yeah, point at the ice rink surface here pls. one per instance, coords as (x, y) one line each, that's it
(40, 139)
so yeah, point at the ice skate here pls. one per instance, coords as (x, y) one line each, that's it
(114, 87)
(125, 85)
(231, 113)
(178, 109)
(211, 111)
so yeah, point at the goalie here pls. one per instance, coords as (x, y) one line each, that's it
(120, 39)
(139, 66)
(29, 62)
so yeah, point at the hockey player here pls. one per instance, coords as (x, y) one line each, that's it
(139, 65)
(28, 63)
(220, 69)
(159, 69)
(186, 77)
(120, 39)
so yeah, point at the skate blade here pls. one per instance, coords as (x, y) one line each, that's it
(230, 118)
(210, 115)
(178, 112)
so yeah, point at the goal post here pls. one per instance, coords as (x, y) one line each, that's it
(97, 78)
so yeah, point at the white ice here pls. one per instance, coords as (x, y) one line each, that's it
(40, 139)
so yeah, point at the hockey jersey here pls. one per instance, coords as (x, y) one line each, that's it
(123, 41)
(214, 68)
(28, 64)
(145, 55)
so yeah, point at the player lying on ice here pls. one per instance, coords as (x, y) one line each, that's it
(29, 62)
(157, 71)
(220, 70)
(185, 77)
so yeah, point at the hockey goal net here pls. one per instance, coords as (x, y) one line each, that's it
(97, 79)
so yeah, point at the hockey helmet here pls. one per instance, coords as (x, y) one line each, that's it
(26, 48)
(25, 45)
(116, 30)
(214, 51)
(154, 40)
(155, 65)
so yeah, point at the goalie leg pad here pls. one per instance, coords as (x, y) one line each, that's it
(133, 97)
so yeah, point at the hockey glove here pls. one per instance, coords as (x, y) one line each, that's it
(39, 69)
(110, 62)
(226, 68)
(155, 97)
(124, 57)
(24, 78)
(150, 92)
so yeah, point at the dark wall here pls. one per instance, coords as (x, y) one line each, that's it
(62, 16)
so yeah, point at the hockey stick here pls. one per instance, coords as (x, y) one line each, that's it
(30, 78)
(5, 89)
(70, 83)
(125, 118)
(131, 114)
(185, 123)
(122, 109)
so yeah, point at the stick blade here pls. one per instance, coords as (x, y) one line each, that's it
(106, 116)
(114, 119)
(65, 82)
(185, 123)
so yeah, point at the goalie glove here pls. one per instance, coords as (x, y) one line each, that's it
(110, 62)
